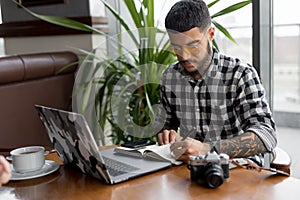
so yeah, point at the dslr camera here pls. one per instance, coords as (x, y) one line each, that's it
(211, 169)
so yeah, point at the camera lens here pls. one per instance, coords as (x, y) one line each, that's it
(214, 175)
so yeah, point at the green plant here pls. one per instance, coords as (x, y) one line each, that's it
(128, 89)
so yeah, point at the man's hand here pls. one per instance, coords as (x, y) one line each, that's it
(182, 150)
(168, 136)
(5, 172)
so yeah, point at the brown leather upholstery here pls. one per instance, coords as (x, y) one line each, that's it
(26, 80)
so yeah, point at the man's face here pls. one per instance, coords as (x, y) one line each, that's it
(193, 48)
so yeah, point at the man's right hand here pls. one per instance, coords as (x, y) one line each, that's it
(168, 136)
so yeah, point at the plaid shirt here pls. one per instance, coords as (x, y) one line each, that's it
(227, 101)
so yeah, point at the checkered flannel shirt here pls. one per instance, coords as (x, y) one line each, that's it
(224, 103)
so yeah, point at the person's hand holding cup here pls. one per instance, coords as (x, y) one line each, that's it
(5, 171)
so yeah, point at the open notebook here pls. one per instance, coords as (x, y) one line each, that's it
(153, 152)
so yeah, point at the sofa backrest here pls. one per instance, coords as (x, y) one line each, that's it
(25, 80)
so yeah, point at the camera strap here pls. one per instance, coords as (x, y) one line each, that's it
(278, 161)
(246, 163)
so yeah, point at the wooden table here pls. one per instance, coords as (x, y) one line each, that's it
(172, 183)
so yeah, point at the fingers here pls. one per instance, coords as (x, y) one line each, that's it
(182, 150)
(178, 149)
(159, 139)
(4, 164)
(178, 146)
(184, 157)
(5, 171)
(172, 136)
(178, 138)
(167, 136)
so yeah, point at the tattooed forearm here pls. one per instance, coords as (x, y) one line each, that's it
(247, 144)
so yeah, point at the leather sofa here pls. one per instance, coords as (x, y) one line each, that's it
(25, 80)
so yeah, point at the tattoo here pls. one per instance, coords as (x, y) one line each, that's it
(245, 145)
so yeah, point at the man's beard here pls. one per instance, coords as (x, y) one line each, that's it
(204, 64)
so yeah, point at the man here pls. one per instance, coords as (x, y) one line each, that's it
(215, 101)
(5, 172)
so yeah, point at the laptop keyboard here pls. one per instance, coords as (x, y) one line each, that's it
(117, 168)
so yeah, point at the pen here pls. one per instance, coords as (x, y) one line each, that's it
(182, 148)
(189, 133)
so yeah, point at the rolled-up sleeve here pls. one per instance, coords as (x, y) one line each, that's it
(254, 110)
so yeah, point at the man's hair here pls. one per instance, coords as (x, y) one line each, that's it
(187, 14)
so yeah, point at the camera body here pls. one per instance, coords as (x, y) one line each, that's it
(211, 169)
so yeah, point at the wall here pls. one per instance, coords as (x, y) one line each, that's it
(72, 8)
(13, 16)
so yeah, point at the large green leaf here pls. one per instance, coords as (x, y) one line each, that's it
(212, 3)
(121, 20)
(131, 6)
(224, 31)
(215, 44)
(231, 8)
(63, 21)
(149, 6)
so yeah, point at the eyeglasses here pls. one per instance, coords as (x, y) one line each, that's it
(193, 49)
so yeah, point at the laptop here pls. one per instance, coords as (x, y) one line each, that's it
(71, 137)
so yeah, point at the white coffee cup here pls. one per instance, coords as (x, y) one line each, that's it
(28, 159)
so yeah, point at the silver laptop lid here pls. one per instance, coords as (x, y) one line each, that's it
(75, 145)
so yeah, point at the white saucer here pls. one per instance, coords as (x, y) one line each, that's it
(49, 167)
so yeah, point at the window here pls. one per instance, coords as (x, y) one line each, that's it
(287, 63)
(239, 25)
(2, 52)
